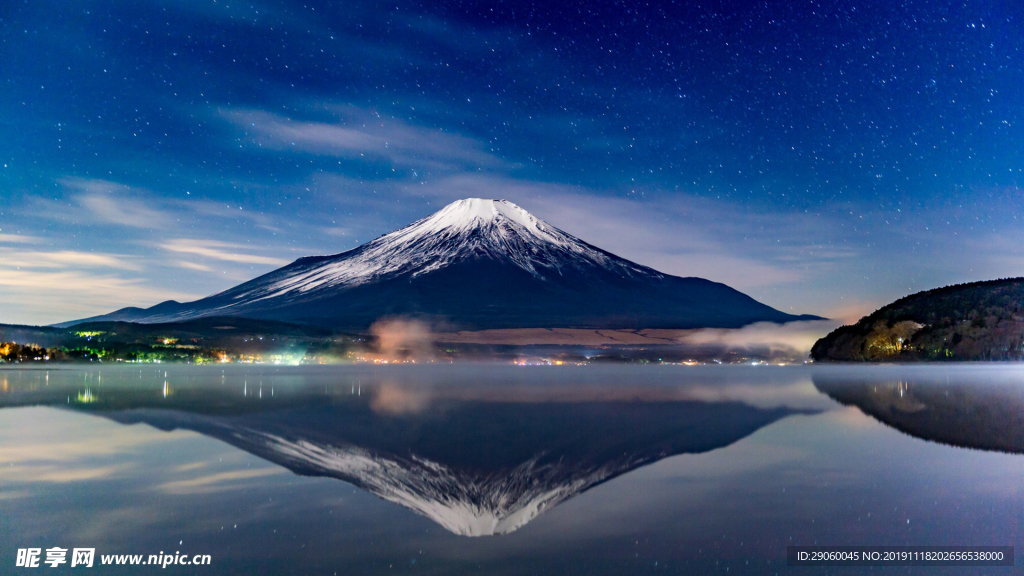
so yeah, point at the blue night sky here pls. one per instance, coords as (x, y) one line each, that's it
(823, 156)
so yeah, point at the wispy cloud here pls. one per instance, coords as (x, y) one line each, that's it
(61, 474)
(192, 266)
(219, 481)
(361, 134)
(104, 203)
(17, 239)
(64, 259)
(224, 251)
(146, 260)
(113, 203)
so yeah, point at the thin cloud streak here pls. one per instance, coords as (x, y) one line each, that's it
(364, 136)
(192, 266)
(224, 251)
(63, 259)
(18, 239)
(218, 482)
(113, 203)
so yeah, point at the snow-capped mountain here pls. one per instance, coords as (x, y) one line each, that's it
(460, 503)
(464, 230)
(475, 264)
(477, 449)
(476, 469)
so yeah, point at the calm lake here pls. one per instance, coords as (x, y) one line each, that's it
(489, 469)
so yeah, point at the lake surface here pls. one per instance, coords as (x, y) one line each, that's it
(483, 469)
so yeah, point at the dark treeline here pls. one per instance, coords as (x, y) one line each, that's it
(975, 321)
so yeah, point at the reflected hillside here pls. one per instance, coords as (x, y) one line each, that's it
(982, 411)
(476, 459)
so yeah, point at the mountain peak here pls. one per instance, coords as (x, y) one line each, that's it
(469, 209)
(472, 213)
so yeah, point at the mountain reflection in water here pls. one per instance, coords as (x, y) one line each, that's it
(480, 456)
(981, 409)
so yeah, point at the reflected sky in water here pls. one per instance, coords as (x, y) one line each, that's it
(509, 470)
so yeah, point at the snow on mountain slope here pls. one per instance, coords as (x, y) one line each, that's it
(467, 506)
(468, 228)
(475, 264)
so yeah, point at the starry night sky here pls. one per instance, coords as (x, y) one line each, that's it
(824, 157)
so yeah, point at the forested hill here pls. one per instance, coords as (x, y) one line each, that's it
(976, 321)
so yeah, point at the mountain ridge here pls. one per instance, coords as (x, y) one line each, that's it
(474, 264)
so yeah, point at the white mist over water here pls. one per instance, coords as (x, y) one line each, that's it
(792, 337)
(400, 338)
